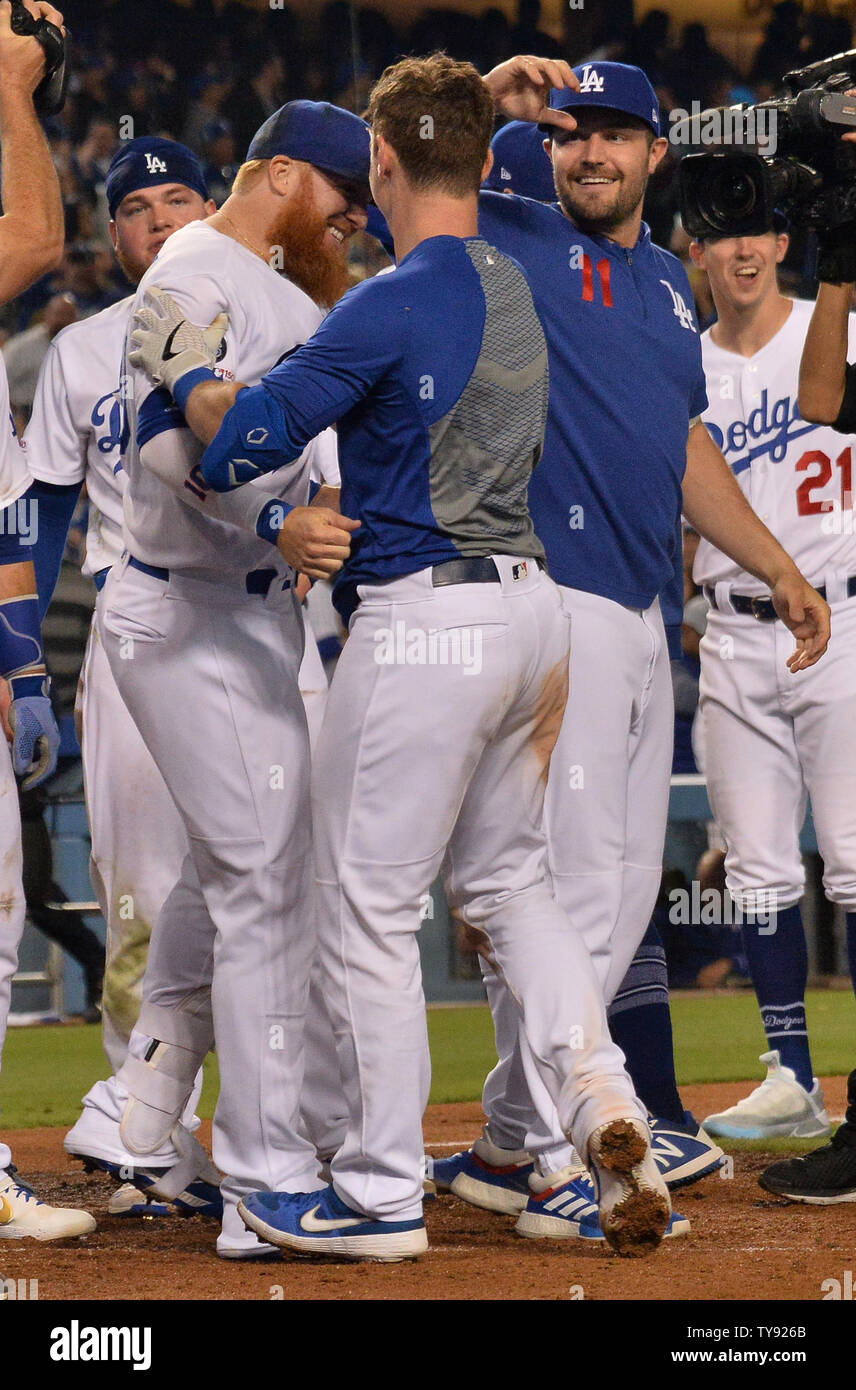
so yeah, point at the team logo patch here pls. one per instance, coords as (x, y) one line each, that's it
(155, 165)
(520, 571)
(592, 80)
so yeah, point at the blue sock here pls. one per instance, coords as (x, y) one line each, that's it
(778, 963)
(641, 1025)
(850, 919)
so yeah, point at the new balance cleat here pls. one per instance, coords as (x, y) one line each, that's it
(563, 1207)
(779, 1107)
(683, 1153)
(320, 1223)
(24, 1217)
(632, 1198)
(485, 1176)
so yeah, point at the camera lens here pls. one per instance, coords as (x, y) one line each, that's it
(732, 194)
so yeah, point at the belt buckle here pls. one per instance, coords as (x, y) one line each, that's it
(757, 613)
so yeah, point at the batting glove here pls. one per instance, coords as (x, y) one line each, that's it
(35, 742)
(167, 346)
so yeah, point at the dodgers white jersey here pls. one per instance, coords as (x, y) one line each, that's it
(75, 432)
(14, 474)
(208, 273)
(797, 476)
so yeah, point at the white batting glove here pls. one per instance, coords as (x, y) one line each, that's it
(167, 346)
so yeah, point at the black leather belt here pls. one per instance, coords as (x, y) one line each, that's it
(477, 569)
(257, 581)
(762, 608)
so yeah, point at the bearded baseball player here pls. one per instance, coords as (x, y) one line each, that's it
(203, 601)
(639, 1016)
(439, 428)
(31, 242)
(768, 741)
(625, 449)
(75, 435)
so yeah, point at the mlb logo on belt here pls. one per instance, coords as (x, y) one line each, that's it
(520, 571)
(591, 82)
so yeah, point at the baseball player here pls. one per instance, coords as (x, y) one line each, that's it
(423, 751)
(75, 434)
(201, 615)
(769, 743)
(624, 449)
(639, 1017)
(31, 239)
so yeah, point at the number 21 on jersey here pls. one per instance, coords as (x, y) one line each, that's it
(822, 464)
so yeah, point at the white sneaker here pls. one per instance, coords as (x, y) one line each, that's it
(22, 1215)
(633, 1201)
(779, 1106)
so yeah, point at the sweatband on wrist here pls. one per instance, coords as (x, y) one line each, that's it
(185, 384)
(270, 520)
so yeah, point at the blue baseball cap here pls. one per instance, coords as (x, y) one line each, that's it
(617, 85)
(327, 136)
(520, 163)
(147, 161)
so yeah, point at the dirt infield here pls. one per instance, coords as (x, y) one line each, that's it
(743, 1245)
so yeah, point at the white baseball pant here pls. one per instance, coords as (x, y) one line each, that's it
(12, 907)
(415, 758)
(771, 739)
(209, 674)
(606, 810)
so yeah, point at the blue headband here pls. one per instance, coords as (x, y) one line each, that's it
(148, 161)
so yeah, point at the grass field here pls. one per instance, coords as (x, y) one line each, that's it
(717, 1038)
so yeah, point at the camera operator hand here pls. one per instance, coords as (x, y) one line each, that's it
(32, 228)
(22, 58)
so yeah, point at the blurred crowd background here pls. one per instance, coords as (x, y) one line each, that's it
(210, 76)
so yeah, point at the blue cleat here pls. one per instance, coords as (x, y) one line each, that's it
(320, 1223)
(563, 1206)
(485, 1176)
(683, 1153)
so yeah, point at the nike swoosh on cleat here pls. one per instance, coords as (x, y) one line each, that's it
(310, 1222)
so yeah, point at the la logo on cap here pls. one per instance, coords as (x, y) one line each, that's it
(504, 174)
(155, 165)
(591, 82)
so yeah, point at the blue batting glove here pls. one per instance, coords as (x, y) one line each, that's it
(35, 743)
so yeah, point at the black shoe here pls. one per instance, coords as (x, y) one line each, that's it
(826, 1175)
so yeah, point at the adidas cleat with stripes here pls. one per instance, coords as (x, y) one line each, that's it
(563, 1207)
(320, 1223)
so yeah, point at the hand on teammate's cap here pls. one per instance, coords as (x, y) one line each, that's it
(803, 610)
(167, 345)
(316, 540)
(521, 89)
(22, 58)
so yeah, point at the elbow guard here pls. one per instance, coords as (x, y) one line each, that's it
(251, 440)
